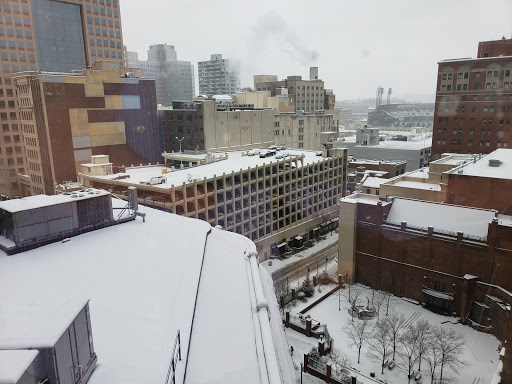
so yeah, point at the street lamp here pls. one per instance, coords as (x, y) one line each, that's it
(181, 157)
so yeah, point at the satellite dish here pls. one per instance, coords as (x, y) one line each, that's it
(189, 178)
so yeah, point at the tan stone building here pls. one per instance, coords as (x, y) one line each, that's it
(67, 118)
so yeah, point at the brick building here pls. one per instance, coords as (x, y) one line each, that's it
(473, 109)
(450, 258)
(86, 30)
(66, 118)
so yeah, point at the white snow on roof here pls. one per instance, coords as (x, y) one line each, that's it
(38, 325)
(421, 173)
(363, 198)
(374, 182)
(453, 218)
(417, 185)
(235, 162)
(13, 364)
(505, 220)
(39, 201)
(142, 279)
(482, 168)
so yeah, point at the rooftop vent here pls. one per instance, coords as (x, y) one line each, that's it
(495, 163)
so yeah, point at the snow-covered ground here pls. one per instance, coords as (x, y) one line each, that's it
(480, 352)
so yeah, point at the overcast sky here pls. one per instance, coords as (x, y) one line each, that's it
(357, 44)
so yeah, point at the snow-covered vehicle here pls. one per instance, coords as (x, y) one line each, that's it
(155, 180)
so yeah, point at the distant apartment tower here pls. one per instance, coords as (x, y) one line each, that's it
(308, 95)
(67, 118)
(218, 76)
(174, 78)
(130, 59)
(47, 35)
(474, 101)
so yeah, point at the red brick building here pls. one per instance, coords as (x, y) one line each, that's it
(473, 109)
(450, 258)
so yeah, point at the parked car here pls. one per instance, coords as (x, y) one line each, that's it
(282, 155)
(121, 176)
(267, 153)
(155, 180)
(253, 152)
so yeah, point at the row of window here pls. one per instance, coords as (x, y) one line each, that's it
(106, 43)
(16, 68)
(483, 143)
(99, 21)
(17, 20)
(500, 134)
(106, 53)
(102, 11)
(475, 97)
(14, 56)
(465, 75)
(19, 33)
(465, 87)
(485, 120)
(15, 8)
(108, 2)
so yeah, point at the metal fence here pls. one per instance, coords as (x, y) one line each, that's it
(175, 357)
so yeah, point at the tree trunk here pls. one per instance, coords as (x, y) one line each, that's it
(359, 355)
(441, 375)
(419, 365)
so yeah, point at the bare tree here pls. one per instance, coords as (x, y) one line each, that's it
(450, 344)
(379, 298)
(423, 331)
(388, 300)
(358, 334)
(341, 360)
(408, 350)
(396, 324)
(353, 296)
(433, 357)
(380, 343)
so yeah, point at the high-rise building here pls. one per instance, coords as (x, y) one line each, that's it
(218, 76)
(174, 78)
(67, 118)
(130, 59)
(307, 95)
(474, 101)
(47, 35)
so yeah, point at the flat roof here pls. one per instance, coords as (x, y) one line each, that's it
(363, 198)
(39, 201)
(481, 167)
(421, 173)
(474, 59)
(13, 364)
(142, 280)
(417, 185)
(374, 182)
(233, 163)
(37, 325)
(453, 218)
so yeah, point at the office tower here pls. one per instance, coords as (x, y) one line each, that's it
(174, 78)
(46, 35)
(218, 76)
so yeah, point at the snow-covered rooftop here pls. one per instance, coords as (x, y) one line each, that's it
(417, 185)
(142, 280)
(481, 167)
(234, 162)
(363, 198)
(14, 363)
(373, 182)
(453, 218)
(421, 173)
(38, 325)
(39, 201)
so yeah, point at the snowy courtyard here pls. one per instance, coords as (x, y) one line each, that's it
(479, 353)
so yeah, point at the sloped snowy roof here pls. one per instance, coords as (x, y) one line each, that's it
(453, 218)
(14, 363)
(142, 280)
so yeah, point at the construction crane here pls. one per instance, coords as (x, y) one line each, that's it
(389, 95)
